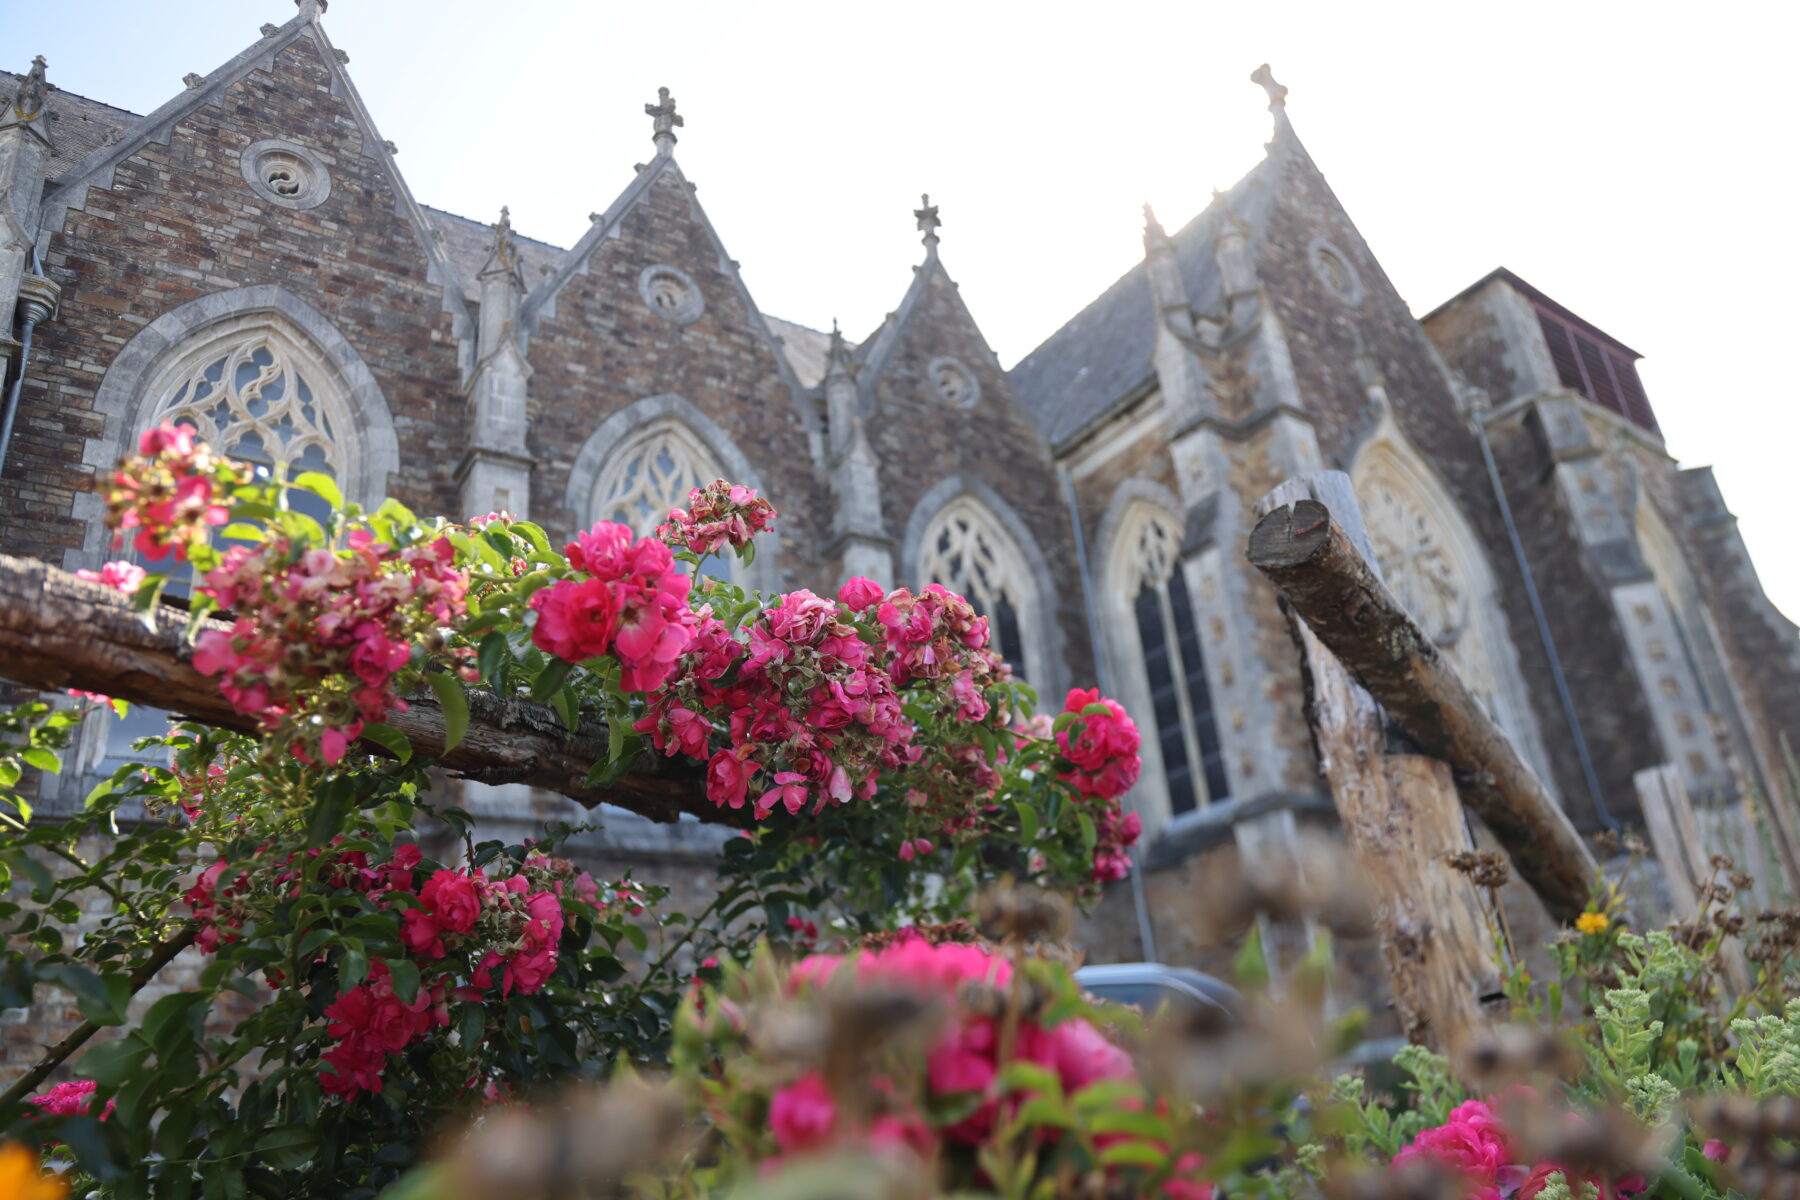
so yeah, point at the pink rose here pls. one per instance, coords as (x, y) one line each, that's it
(454, 899)
(576, 621)
(861, 593)
(728, 779)
(801, 1115)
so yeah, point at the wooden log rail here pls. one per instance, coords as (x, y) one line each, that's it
(1329, 585)
(57, 631)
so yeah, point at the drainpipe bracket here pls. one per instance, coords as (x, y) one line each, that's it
(39, 297)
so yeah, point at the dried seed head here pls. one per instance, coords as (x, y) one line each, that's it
(1485, 868)
(585, 1145)
(1022, 912)
(1495, 1059)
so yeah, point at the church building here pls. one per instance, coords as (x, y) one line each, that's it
(248, 258)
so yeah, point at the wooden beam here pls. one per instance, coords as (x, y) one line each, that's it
(1401, 816)
(1338, 593)
(57, 631)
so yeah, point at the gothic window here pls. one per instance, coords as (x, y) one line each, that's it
(1432, 563)
(1150, 583)
(255, 393)
(251, 398)
(651, 474)
(967, 551)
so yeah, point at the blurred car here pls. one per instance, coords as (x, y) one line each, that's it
(1149, 986)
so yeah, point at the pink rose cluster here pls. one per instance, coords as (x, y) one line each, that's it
(320, 635)
(958, 1099)
(73, 1098)
(811, 716)
(1475, 1143)
(471, 935)
(1100, 744)
(169, 492)
(719, 514)
(633, 603)
(121, 577)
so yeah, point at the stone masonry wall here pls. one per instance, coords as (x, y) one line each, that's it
(603, 349)
(1325, 336)
(921, 439)
(179, 222)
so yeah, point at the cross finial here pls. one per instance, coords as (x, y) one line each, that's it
(667, 120)
(928, 220)
(1265, 79)
(503, 258)
(311, 9)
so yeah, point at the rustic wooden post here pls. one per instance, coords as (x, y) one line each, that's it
(1336, 591)
(1685, 859)
(1401, 816)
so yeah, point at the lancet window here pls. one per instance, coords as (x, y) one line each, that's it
(1153, 589)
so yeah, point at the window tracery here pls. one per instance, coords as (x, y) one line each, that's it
(965, 550)
(651, 474)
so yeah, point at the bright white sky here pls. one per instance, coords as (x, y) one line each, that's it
(1633, 160)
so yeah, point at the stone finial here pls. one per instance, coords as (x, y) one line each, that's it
(504, 257)
(1153, 230)
(390, 148)
(311, 9)
(193, 79)
(837, 352)
(1265, 79)
(343, 56)
(29, 102)
(927, 216)
(666, 122)
(268, 30)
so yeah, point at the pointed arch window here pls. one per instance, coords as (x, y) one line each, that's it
(966, 549)
(651, 474)
(255, 391)
(1154, 590)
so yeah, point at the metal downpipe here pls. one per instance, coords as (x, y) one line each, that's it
(1479, 423)
(1146, 933)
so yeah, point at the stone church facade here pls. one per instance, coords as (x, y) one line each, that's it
(249, 258)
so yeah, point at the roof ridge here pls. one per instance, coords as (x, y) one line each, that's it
(77, 95)
(472, 221)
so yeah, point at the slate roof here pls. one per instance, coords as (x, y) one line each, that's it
(78, 125)
(1102, 355)
(467, 243)
(805, 348)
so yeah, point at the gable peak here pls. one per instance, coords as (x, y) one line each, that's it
(1264, 78)
(312, 10)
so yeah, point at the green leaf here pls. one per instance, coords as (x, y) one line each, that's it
(330, 801)
(320, 485)
(353, 967)
(568, 704)
(533, 534)
(456, 708)
(9, 772)
(1028, 823)
(613, 769)
(288, 1147)
(242, 531)
(405, 974)
(111, 1063)
(470, 1025)
(1134, 1154)
(42, 759)
(550, 679)
(636, 936)
(492, 656)
(1088, 835)
(169, 1022)
(1022, 1076)
(91, 993)
(389, 739)
(616, 731)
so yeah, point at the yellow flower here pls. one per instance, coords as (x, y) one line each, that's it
(1592, 922)
(20, 1178)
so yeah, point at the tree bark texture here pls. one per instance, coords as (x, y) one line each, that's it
(1338, 593)
(57, 631)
